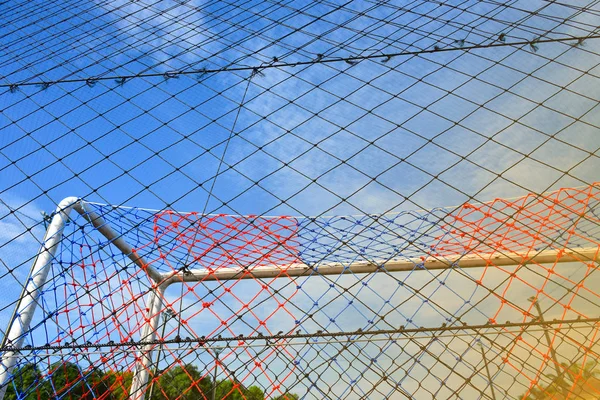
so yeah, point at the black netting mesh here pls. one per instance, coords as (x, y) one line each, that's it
(299, 199)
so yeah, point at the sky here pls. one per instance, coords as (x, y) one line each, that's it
(416, 132)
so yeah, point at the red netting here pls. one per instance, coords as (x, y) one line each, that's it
(559, 222)
(191, 241)
(102, 299)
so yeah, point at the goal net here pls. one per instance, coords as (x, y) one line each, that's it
(145, 304)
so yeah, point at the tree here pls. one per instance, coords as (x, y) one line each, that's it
(227, 391)
(254, 393)
(287, 396)
(28, 384)
(119, 384)
(67, 380)
(70, 382)
(182, 383)
(574, 383)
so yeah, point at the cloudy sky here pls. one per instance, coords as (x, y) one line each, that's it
(227, 107)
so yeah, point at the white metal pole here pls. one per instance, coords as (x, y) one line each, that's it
(116, 240)
(144, 361)
(368, 267)
(27, 304)
(19, 325)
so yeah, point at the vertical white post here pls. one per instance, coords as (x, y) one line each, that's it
(144, 362)
(19, 325)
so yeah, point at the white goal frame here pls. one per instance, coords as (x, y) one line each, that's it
(27, 303)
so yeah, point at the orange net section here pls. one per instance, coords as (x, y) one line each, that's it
(537, 232)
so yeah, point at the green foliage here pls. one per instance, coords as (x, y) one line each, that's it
(226, 391)
(570, 384)
(28, 384)
(182, 383)
(287, 396)
(68, 381)
(254, 393)
(63, 379)
(119, 384)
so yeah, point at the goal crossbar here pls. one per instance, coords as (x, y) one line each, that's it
(368, 267)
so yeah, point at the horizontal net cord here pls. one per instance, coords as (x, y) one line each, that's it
(406, 331)
(412, 11)
(313, 342)
(300, 63)
(147, 6)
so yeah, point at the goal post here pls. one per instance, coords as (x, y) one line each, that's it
(463, 241)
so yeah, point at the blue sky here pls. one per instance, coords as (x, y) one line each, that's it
(415, 132)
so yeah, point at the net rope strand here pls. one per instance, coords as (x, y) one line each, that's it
(468, 207)
(421, 15)
(95, 295)
(299, 63)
